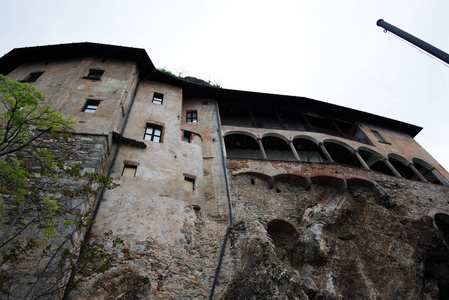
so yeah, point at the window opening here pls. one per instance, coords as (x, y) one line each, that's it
(189, 183)
(158, 98)
(32, 77)
(379, 137)
(95, 74)
(192, 117)
(91, 106)
(129, 171)
(153, 133)
(253, 182)
(187, 136)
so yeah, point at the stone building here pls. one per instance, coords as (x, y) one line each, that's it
(310, 200)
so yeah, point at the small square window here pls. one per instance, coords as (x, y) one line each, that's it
(95, 74)
(91, 106)
(192, 117)
(189, 184)
(153, 133)
(379, 137)
(32, 77)
(187, 136)
(129, 171)
(157, 98)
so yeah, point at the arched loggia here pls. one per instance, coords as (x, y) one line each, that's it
(429, 172)
(277, 148)
(342, 155)
(239, 145)
(309, 151)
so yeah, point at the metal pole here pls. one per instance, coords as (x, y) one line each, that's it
(415, 41)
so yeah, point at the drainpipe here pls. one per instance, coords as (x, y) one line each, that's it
(97, 206)
(228, 193)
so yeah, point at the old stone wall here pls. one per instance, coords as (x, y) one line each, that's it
(372, 237)
(37, 275)
(366, 241)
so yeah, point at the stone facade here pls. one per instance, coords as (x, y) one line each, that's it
(316, 201)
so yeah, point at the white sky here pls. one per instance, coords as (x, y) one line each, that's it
(326, 50)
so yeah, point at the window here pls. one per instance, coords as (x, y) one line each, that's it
(189, 184)
(95, 74)
(91, 106)
(32, 77)
(192, 117)
(153, 133)
(129, 171)
(157, 98)
(379, 137)
(187, 136)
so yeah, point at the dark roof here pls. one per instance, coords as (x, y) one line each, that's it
(193, 88)
(18, 56)
(315, 106)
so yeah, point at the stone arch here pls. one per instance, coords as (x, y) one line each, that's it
(308, 150)
(294, 178)
(402, 166)
(429, 172)
(341, 153)
(284, 236)
(331, 181)
(274, 134)
(356, 182)
(240, 132)
(255, 177)
(242, 145)
(306, 137)
(277, 148)
(370, 156)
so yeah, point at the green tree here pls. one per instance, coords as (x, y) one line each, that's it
(42, 213)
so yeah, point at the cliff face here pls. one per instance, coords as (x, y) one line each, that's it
(367, 242)
(379, 239)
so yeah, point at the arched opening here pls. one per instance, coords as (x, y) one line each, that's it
(242, 146)
(308, 151)
(341, 155)
(429, 172)
(400, 164)
(277, 148)
(284, 237)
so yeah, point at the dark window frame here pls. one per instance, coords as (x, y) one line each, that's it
(129, 166)
(94, 74)
(91, 106)
(33, 76)
(158, 98)
(154, 133)
(379, 137)
(192, 116)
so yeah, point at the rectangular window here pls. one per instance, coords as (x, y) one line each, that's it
(32, 77)
(91, 106)
(189, 184)
(94, 74)
(153, 133)
(157, 98)
(192, 117)
(187, 136)
(379, 137)
(129, 171)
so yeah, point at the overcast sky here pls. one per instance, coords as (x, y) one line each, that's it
(326, 50)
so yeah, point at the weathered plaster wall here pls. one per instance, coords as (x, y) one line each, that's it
(66, 90)
(152, 204)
